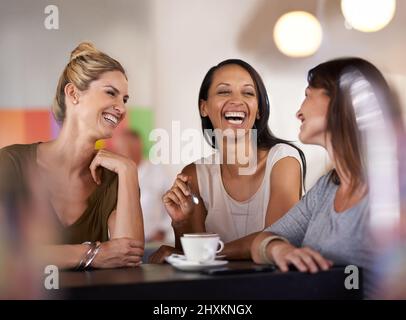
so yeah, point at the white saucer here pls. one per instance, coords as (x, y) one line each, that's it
(179, 261)
(195, 266)
(176, 256)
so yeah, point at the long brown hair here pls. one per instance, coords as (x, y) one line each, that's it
(341, 121)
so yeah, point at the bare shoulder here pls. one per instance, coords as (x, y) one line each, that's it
(286, 164)
(286, 173)
(286, 178)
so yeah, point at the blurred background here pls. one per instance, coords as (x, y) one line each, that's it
(166, 48)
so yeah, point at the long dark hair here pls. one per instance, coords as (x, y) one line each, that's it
(265, 138)
(341, 121)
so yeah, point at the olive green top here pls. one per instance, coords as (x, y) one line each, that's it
(19, 160)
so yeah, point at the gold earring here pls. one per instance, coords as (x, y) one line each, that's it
(75, 102)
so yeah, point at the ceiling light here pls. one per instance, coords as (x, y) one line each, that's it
(297, 34)
(368, 15)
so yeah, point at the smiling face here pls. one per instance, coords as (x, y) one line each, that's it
(232, 101)
(313, 115)
(102, 106)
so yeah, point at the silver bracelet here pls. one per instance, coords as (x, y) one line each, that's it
(264, 244)
(86, 256)
(93, 254)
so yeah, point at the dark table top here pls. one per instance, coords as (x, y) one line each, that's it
(153, 281)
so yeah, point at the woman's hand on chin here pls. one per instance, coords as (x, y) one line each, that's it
(113, 162)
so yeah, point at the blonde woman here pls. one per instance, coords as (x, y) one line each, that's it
(94, 196)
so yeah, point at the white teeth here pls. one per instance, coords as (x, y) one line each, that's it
(110, 117)
(234, 114)
(234, 121)
(235, 117)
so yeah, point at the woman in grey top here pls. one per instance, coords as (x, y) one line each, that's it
(330, 223)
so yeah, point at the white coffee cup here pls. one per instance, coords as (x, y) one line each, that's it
(201, 248)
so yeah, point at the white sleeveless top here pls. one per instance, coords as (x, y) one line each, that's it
(233, 219)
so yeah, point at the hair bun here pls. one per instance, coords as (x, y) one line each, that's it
(83, 49)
